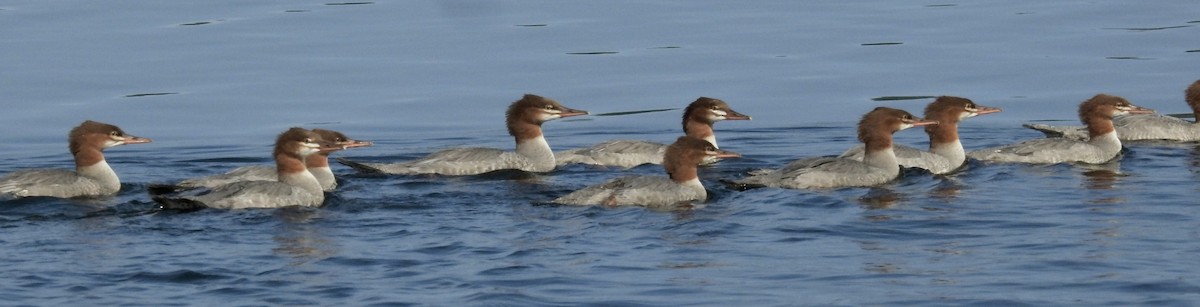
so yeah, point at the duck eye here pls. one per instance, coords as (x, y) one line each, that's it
(114, 133)
(549, 107)
(970, 106)
(308, 140)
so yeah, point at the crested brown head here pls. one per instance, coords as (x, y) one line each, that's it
(335, 141)
(682, 157)
(292, 142)
(687, 151)
(1101, 106)
(91, 133)
(882, 122)
(1192, 96)
(947, 109)
(524, 117)
(708, 111)
(524, 112)
(331, 136)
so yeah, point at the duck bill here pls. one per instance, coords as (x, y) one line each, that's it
(981, 110)
(569, 112)
(725, 154)
(1141, 110)
(355, 144)
(923, 122)
(330, 147)
(734, 115)
(135, 140)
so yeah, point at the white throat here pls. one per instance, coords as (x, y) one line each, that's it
(538, 152)
(884, 159)
(1107, 142)
(324, 176)
(103, 174)
(952, 151)
(695, 184)
(304, 180)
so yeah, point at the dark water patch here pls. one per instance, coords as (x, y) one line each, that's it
(1149, 28)
(532, 25)
(940, 5)
(289, 301)
(350, 3)
(334, 292)
(666, 47)
(634, 112)
(882, 44)
(442, 249)
(392, 304)
(504, 174)
(180, 276)
(150, 94)
(1182, 115)
(894, 98)
(228, 160)
(506, 271)
(592, 53)
(1193, 50)
(1053, 120)
(198, 23)
(297, 11)
(1128, 58)
(235, 291)
(507, 297)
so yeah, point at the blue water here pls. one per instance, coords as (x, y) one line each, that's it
(212, 82)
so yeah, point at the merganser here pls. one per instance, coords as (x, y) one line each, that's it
(1141, 127)
(317, 164)
(1103, 144)
(524, 119)
(293, 186)
(946, 152)
(698, 120)
(92, 175)
(878, 165)
(682, 185)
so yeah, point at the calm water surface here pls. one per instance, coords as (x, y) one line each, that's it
(212, 82)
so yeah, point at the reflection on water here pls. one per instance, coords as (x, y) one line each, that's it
(947, 189)
(299, 238)
(1101, 176)
(1194, 159)
(880, 198)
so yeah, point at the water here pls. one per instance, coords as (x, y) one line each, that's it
(212, 82)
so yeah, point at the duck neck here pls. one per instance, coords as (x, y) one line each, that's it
(682, 174)
(879, 153)
(291, 170)
(1108, 141)
(90, 163)
(533, 146)
(1102, 134)
(318, 165)
(700, 130)
(943, 141)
